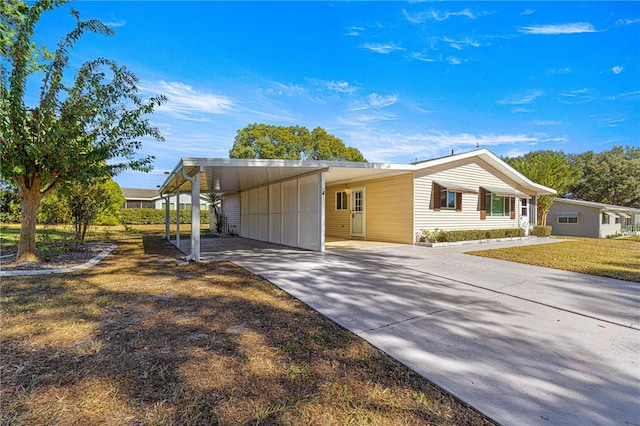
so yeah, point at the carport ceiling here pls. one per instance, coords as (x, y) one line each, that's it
(233, 175)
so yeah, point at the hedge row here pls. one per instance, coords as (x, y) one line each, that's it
(156, 217)
(441, 236)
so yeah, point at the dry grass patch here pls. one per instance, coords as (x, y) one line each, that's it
(619, 258)
(141, 340)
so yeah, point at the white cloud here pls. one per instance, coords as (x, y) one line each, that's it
(116, 23)
(617, 69)
(378, 101)
(433, 14)
(442, 16)
(547, 122)
(453, 60)
(520, 99)
(457, 44)
(572, 28)
(527, 12)
(185, 102)
(627, 21)
(578, 96)
(519, 110)
(354, 31)
(421, 56)
(565, 70)
(282, 89)
(383, 48)
(631, 95)
(340, 87)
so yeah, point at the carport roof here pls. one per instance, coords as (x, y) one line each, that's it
(232, 175)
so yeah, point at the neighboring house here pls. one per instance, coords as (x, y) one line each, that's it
(300, 203)
(588, 219)
(136, 198)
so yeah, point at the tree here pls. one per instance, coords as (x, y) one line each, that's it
(88, 201)
(291, 143)
(611, 177)
(548, 168)
(82, 128)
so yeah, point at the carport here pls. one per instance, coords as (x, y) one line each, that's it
(281, 201)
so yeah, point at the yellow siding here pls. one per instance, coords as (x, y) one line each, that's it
(470, 172)
(388, 210)
(336, 223)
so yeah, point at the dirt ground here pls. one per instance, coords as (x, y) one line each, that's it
(142, 339)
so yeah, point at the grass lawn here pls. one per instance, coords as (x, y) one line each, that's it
(619, 258)
(139, 339)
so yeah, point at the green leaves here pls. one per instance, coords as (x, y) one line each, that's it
(76, 134)
(548, 168)
(291, 143)
(611, 176)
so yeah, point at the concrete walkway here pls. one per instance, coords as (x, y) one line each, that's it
(523, 344)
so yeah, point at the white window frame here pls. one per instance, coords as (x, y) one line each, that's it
(506, 205)
(343, 205)
(449, 194)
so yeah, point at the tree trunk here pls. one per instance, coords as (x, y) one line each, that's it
(30, 200)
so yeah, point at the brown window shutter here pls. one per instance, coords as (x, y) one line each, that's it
(483, 203)
(458, 201)
(513, 207)
(436, 197)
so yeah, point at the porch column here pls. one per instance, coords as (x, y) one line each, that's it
(321, 210)
(195, 217)
(178, 218)
(167, 218)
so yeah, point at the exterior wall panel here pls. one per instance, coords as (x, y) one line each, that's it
(472, 173)
(275, 213)
(290, 213)
(231, 209)
(263, 213)
(309, 214)
(389, 209)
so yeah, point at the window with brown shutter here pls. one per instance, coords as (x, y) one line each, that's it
(436, 197)
(458, 201)
(483, 203)
(513, 207)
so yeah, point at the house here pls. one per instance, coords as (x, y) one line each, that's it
(137, 198)
(588, 219)
(301, 203)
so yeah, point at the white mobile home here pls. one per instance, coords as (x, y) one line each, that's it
(300, 203)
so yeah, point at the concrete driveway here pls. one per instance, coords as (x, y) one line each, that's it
(523, 344)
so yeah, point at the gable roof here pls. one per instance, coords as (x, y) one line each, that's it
(494, 161)
(140, 194)
(600, 206)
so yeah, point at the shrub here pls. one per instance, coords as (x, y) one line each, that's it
(541, 231)
(441, 236)
(156, 216)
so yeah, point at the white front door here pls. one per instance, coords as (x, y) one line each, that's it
(357, 213)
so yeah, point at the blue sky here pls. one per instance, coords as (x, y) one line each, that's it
(399, 81)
